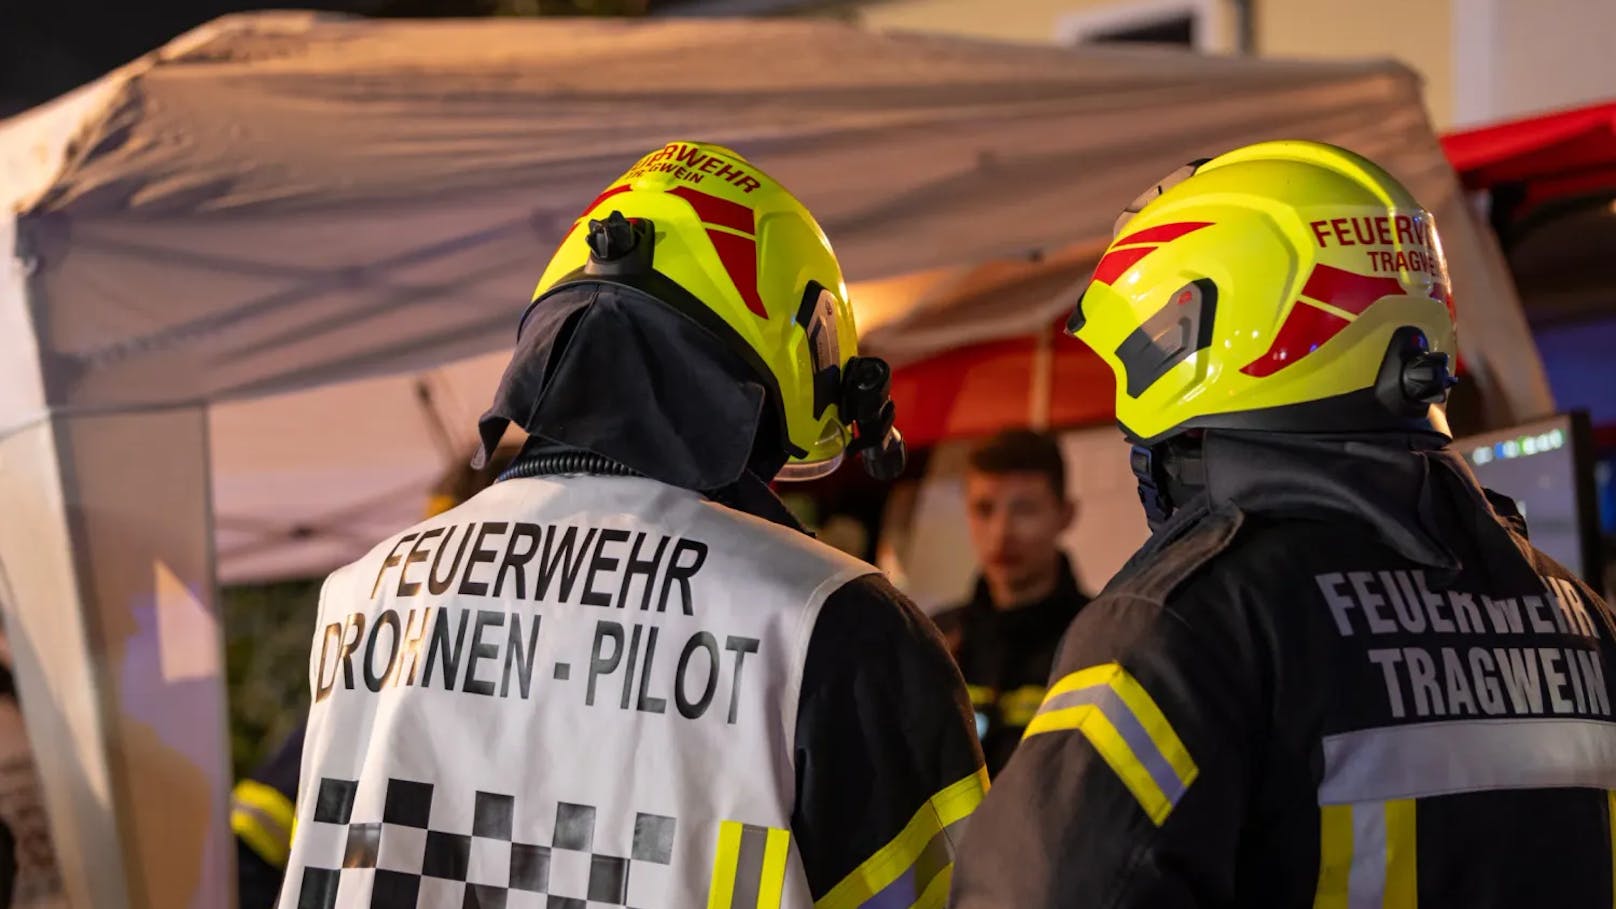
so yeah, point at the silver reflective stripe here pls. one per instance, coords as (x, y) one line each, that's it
(749, 866)
(1128, 726)
(1366, 883)
(1427, 759)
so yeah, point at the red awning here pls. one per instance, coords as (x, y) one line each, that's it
(982, 388)
(1565, 153)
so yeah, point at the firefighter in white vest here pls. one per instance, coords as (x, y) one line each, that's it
(623, 675)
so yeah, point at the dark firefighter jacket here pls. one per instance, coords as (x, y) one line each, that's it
(1006, 655)
(1338, 679)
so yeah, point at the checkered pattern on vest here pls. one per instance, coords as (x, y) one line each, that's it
(403, 862)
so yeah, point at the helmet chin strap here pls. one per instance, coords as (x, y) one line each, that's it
(1168, 474)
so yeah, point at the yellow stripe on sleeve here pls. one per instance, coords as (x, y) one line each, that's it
(1335, 856)
(936, 894)
(721, 893)
(1156, 726)
(772, 881)
(1083, 678)
(269, 800)
(1402, 882)
(951, 804)
(1108, 743)
(264, 819)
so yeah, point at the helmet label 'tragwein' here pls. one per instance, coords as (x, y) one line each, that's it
(693, 165)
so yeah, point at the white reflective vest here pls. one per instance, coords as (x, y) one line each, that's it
(565, 690)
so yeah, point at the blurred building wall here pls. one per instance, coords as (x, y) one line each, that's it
(1059, 21)
(1514, 58)
(1417, 32)
(1481, 60)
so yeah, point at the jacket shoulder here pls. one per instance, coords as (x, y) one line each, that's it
(1176, 553)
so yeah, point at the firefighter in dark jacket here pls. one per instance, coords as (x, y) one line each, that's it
(261, 813)
(1004, 637)
(1334, 676)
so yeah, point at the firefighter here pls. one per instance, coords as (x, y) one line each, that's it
(1334, 676)
(623, 674)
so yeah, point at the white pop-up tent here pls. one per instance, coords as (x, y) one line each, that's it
(246, 255)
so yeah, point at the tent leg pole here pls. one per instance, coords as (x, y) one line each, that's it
(106, 582)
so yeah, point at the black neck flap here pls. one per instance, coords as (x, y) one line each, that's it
(610, 370)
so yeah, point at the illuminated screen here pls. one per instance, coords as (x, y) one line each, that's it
(1537, 465)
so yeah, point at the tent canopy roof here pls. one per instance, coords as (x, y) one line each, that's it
(281, 200)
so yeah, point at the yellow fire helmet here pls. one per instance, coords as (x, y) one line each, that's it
(1285, 286)
(705, 231)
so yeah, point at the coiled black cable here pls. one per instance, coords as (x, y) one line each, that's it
(568, 462)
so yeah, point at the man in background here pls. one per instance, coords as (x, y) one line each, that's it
(1004, 637)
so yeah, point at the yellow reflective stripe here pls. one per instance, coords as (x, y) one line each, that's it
(1377, 837)
(721, 892)
(439, 503)
(245, 824)
(952, 803)
(1160, 744)
(1402, 881)
(1083, 678)
(1156, 726)
(1610, 809)
(1335, 856)
(1017, 708)
(1107, 741)
(936, 895)
(749, 867)
(772, 881)
(263, 818)
(981, 695)
(276, 806)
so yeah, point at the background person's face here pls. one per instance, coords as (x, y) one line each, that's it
(1015, 520)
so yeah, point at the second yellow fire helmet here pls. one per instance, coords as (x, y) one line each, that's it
(703, 230)
(1290, 286)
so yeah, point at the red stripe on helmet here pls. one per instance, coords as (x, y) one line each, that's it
(1161, 233)
(1349, 290)
(713, 210)
(604, 196)
(739, 257)
(1118, 261)
(1303, 331)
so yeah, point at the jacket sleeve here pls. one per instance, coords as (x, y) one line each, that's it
(888, 766)
(261, 815)
(1129, 787)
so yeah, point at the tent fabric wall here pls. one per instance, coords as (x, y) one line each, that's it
(283, 203)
